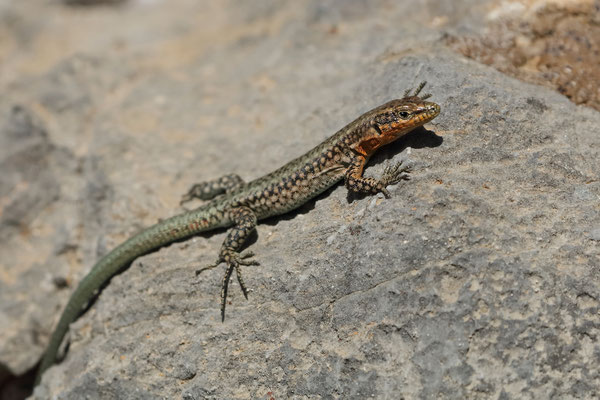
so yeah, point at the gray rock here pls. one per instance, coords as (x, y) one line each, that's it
(477, 279)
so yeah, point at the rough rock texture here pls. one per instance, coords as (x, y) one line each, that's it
(478, 279)
(554, 43)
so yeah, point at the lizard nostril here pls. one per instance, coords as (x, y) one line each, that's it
(433, 108)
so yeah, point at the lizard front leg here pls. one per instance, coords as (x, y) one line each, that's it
(244, 221)
(357, 183)
(210, 189)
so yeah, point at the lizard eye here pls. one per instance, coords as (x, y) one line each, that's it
(403, 114)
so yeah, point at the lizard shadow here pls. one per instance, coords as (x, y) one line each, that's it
(418, 138)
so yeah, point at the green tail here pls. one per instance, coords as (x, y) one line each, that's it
(161, 234)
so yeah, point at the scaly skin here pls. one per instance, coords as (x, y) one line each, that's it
(240, 205)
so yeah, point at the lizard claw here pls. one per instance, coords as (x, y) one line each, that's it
(247, 254)
(392, 174)
(234, 261)
(211, 266)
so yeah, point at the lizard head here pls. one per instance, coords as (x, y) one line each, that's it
(396, 118)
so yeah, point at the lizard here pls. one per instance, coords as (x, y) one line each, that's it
(231, 202)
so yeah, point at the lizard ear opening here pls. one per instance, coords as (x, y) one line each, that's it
(377, 129)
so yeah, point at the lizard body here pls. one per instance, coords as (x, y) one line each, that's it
(234, 203)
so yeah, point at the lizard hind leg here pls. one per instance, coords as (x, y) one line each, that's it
(244, 224)
(211, 189)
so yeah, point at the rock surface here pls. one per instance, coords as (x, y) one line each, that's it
(478, 279)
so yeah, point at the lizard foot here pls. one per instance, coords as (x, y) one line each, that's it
(210, 189)
(392, 174)
(234, 261)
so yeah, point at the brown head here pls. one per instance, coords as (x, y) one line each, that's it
(396, 118)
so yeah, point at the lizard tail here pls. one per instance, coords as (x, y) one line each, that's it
(161, 234)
